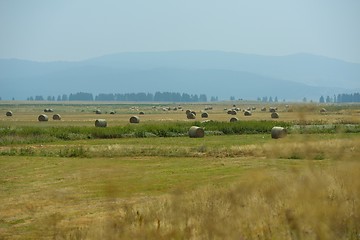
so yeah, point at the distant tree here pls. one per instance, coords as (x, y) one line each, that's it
(338, 98)
(39, 98)
(105, 97)
(213, 99)
(81, 96)
(276, 99)
(0, 99)
(328, 99)
(194, 98)
(185, 97)
(304, 99)
(356, 97)
(202, 98)
(177, 97)
(232, 98)
(270, 99)
(345, 97)
(64, 97)
(321, 100)
(58, 98)
(265, 99)
(49, 98)
(158, 97)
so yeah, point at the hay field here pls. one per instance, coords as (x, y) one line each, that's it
(83, 114)
(222, 186)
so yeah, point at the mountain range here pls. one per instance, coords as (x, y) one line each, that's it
(214, 73)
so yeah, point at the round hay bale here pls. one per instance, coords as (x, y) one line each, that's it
(43, 118)
(134, 119)
(263, 109)
(141, 113)
(278, 132)
(232, 112)
(46, 110)
(191, 116)
(247, 113)
(196, 132)
(204, 115)
(272, 109)
(187, 111)
(100, 123)
(9, 113)
(98, 111)
(274, 115)
(323, 110)
(234, 119)
(56, 117)
(112, 112)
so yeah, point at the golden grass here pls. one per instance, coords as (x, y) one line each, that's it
(306, 203)
(299, 187)
(83, 115)
(302, 205)
(220, 187)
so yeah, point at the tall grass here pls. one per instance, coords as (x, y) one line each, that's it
(41, 134)
(33, 134)
(300, 204)
(299, 187)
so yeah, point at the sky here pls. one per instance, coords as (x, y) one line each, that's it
(72, 30)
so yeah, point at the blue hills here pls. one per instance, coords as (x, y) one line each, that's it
(214, 73)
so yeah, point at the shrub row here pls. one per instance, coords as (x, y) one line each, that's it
(33, 134)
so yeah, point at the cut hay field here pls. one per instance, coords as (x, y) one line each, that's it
(68, 179)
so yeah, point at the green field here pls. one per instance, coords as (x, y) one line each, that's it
(68, 179)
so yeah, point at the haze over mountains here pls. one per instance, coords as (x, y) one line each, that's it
(221, 74)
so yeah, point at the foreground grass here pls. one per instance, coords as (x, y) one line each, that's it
(33, 189)
(219, 187)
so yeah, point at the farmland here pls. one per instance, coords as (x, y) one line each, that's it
(67, 179)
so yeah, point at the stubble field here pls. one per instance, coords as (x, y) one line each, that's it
(67, 179)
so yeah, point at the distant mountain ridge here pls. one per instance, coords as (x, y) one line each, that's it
(213, 73)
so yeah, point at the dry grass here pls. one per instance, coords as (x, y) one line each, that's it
(304, 186)
(299, 187)
(83, 115)
(313, 203)
(309, 204)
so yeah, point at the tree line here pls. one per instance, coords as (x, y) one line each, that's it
(133, 97)
(341, 98)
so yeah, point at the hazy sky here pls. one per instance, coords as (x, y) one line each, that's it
(47, 30)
